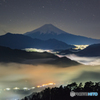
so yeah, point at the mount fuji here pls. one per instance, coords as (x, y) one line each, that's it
(49, 31)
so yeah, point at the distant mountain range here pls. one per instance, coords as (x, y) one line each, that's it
(19, 41)
(15, 55)
(48, 31)
(20, 56)
(91, 51)
(68, 51)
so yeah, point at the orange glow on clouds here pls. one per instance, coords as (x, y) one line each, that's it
(46, 85)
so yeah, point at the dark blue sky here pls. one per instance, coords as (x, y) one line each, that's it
(80, 17)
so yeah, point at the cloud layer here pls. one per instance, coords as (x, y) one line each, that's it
(24, 75)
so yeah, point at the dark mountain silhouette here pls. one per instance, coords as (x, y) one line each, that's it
(48, 31)
(55, 44)
(69, 51)
(15, 55)
(64, 62)
(90, 51)
(20, 56)
(19, 41)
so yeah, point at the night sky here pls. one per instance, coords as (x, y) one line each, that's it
(79, 17)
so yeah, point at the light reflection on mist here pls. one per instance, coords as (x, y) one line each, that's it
(21, 75)
(39, 74)
(83, 60)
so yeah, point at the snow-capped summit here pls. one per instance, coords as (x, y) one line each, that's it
(48, 29)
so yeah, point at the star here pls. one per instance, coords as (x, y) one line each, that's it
(42, 6)
(93, 15)
(10, 20)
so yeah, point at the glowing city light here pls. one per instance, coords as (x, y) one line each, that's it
(16, 88)
(51, 83)
(33, 87)
(25, 88)
(81, 46)
(38, 86)
(43, 85)
(36, 50)
(7, 89)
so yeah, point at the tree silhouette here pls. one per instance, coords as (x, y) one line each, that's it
(88, 86)
(63, 93)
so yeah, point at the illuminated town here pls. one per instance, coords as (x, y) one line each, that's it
(44, 85)
(81, 46)
(27, 88)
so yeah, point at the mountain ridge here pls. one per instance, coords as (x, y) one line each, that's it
(8, 55)
(19, 41)
(91, 51)
(47, 29)
(15, 55)
(56, 33)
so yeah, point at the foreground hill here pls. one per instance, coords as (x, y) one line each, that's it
(19, 41)
(49, 31)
